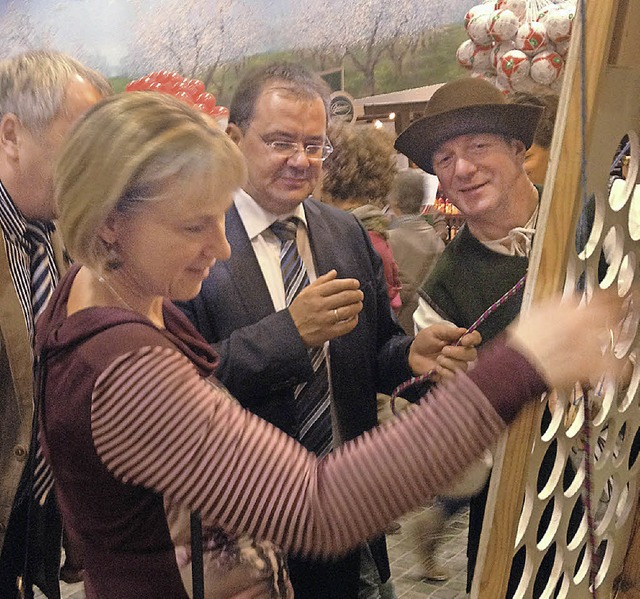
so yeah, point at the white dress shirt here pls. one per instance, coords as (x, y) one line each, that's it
(266, 245)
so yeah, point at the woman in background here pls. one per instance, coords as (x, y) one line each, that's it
(358, 176)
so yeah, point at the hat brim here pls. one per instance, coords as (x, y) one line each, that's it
(422, 138)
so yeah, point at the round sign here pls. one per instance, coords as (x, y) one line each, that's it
(341, 107)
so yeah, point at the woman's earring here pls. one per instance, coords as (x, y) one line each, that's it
(113, 261)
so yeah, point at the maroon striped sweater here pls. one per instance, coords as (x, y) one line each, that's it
(130, 418)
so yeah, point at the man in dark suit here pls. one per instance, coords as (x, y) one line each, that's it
(278, 118)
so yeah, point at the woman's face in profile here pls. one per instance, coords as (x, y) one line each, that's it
(168, 245)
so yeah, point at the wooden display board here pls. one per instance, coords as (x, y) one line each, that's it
(519, 495)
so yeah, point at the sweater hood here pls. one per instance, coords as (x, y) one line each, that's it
(372, 218)
(57, 332)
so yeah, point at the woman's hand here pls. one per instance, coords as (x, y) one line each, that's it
(568, 342)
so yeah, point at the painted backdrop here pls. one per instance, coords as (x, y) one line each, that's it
(382, 45)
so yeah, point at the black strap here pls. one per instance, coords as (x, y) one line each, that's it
(197, 559)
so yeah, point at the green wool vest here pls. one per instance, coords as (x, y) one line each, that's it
(468, 278)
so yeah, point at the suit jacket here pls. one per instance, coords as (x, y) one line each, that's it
(16, 384)
(262, 355)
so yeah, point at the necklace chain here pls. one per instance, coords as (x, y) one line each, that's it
(104, 281)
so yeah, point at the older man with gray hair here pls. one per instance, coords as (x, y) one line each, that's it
(41, 95)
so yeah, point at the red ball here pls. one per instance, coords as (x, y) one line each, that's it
(161, 76)
(195, 87)
(184, 96)
(134, 86)
(206, 99)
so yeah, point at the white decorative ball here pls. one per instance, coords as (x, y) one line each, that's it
(481, 59)
(546, 67)
(497, 51)
(559, 24)
(464, 54)
(474, 11)
(514, 65)
(478, 29)
(531, 37)
(472, 56)
(517, 7)
(556, 86)
(542, 13)
(503, 25)
(503, 84)
(529, 86)
(562, 48)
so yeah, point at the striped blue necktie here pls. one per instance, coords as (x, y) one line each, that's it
(41, 271)
(42, 283)
(312, 398)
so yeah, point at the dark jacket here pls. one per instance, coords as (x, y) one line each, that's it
(263, 358)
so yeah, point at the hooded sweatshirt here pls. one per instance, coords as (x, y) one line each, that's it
(132, 420)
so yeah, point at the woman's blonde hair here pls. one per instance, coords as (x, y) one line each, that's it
(122, 154)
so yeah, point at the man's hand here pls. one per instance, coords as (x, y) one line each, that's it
(434, 348)
(326, 308)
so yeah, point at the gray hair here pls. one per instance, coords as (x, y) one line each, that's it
(407, 191)
(33, 84)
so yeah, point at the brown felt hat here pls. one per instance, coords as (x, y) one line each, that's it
(462, 106)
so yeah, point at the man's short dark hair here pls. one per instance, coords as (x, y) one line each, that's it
(294, 77)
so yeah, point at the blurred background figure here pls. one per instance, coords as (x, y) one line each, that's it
(433, 211)
(536, 159)
(358, 176)
(415, 244)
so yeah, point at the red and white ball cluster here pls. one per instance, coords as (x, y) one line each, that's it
(191, 91)
(519, 45)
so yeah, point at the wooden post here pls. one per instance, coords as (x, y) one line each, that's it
(613, 61)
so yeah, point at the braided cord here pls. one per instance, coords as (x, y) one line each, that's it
(415, 380)
(586, 427)
(587, 492)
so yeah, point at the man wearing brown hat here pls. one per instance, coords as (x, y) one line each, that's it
(475, 143)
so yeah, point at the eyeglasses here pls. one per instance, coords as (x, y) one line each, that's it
(290, 148)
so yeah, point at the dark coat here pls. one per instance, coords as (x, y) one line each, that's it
(263, 358)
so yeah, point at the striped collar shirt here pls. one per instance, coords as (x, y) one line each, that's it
(18, 248)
